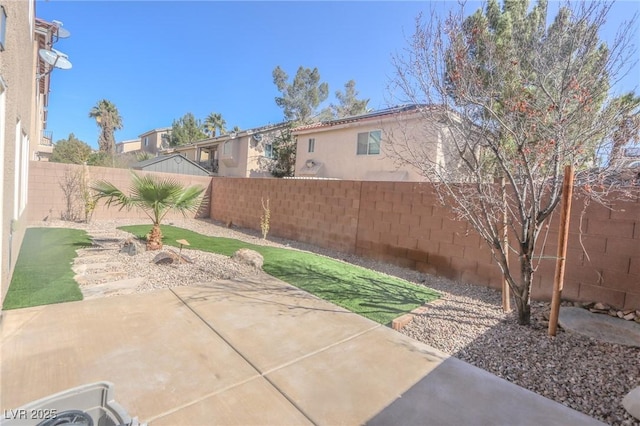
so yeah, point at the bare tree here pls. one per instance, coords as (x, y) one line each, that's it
(520, 99)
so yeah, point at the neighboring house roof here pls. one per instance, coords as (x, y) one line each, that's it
(223, 138)
(164, 158)
(158, 130)
(362, 117)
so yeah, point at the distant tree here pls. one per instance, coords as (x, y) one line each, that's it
(284, 153)
(348, 103)
(71, 150)
(627, 130)
(300, 99)
(108, 120)
(101, 159)
(186, 130)
(213, 122)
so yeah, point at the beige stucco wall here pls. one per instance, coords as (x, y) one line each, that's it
(234, 163)
(154, 141)
(128, 146)
(336, 149)
(17, 71)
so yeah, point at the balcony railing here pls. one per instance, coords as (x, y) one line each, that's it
(47, 138)
(211, 165)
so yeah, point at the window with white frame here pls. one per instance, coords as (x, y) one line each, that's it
(24, 171)
(268, 150)
(312, 145)
(3, 28)
(3, 89)
(369, 142)
(16, 172)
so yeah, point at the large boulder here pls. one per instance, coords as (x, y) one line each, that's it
(249, 257)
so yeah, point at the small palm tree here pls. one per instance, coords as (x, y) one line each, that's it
(156, 197)
(214, 122)
(108, 120)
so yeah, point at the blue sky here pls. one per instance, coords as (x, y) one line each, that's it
(157, 60)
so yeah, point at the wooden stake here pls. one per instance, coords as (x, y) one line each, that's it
(506, 291)
(563, 235)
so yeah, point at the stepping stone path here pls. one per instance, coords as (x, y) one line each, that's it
(96, 276)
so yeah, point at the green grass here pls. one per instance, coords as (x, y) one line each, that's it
(43, 272)
(368, 293)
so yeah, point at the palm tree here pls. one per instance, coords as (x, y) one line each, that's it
(108, 120)
(155, 196)
(215, 122)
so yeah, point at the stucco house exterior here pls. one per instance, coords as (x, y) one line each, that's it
(359, 147)
(151, 141)
(246, 153)
(130, 145)
(23, 100)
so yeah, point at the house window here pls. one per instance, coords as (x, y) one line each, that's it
(3, 27)
(268, 150)
(369, 143)
(146, 141)
(312, 145)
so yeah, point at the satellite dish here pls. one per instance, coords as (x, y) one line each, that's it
(55, 58)
(60, 32)
(257, 137)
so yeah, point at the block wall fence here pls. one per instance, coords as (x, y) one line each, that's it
(404, 224)
(47, 199)
(396, 222)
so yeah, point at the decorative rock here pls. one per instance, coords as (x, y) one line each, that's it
(601, 306)
(130, 247)
(630, 317)
(631, 402)
(165, 258)
(248, 257)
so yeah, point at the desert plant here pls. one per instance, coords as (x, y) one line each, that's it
(265, 218)
(155, 197)
(70, 183)
(87, 195)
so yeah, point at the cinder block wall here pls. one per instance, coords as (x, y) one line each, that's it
(324, 213)
(47, 199)
(403, 223)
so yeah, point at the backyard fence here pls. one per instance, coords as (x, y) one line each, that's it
(397, 222)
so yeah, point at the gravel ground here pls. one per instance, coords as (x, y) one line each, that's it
(467, 322)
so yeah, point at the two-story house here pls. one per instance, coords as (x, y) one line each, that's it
(247, 153)
(361, 147)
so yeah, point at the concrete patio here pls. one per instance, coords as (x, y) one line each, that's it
(260, 352)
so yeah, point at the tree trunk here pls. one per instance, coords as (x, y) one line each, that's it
(154, 238)
(524, 310)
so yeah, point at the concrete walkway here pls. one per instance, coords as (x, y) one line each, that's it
(242, 353)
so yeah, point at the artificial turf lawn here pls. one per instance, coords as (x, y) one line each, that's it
(378, 297)
(43, 272)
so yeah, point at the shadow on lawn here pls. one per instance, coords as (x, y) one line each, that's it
(383, 299)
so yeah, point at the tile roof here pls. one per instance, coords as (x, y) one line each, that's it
(375, 114)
